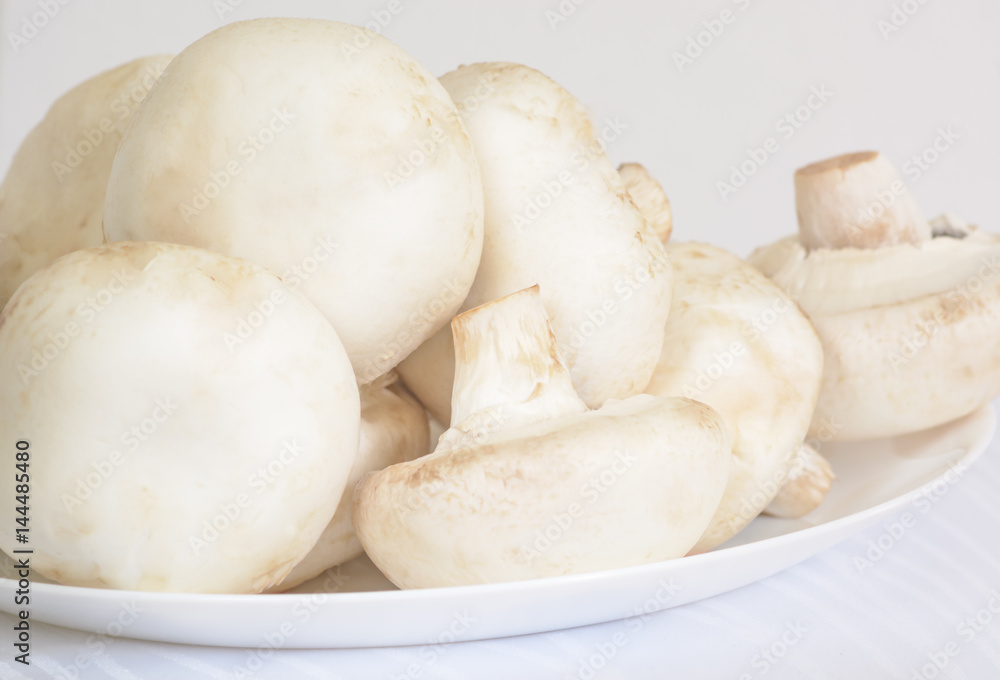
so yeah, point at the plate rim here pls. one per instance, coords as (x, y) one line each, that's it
(487, 595)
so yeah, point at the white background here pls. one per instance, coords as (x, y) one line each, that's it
(942, 68)
(891, 93)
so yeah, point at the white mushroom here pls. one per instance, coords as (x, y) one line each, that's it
(737, 343)
(52, 200)
(557, 215)
(323, 152)
(394, 429)
(166, 456)
(649, 198)
(529, 483)
(908, 330)
(809, 480)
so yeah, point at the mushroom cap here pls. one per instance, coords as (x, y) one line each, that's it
(52, 200)
(634, 482)
(192, 420)
(736, 342)
(557, 215)
(394, 429)
(323, 152)
(909, 331)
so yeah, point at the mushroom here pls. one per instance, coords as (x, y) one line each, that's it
(809, 480)
(52, 200)
(557, 215)
(324, 153)
(530, 483)
(909, 321)
(737, 343)
(394, 429)
(165, 454)
(649, 198)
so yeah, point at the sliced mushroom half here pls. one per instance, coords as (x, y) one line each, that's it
(530, 483)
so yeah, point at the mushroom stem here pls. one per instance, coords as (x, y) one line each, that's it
(505, 353)
(856, 200)
(649, 198)
(809, 480)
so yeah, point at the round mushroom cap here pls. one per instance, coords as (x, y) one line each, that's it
(192, 420)
(635, 482)
(909, 331)
(736, 342)
(394, 429)
(324, 153)
(52, 200)
(557, 215)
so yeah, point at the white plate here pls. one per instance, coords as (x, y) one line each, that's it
(874, 480)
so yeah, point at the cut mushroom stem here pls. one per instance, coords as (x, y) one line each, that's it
(856, 200)
(809, 480)
(649, 198)
(505, 353)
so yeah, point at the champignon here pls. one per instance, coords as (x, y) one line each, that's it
(557, 215)
(530, 483)
(809, 480)
(394, 429)
(737, 343)
(52, 200)
(909, 321)
(192, 419)
(323, 152)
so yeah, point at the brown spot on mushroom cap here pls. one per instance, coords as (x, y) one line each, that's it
(952, 309)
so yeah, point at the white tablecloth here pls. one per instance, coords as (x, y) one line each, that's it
(928, 606)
